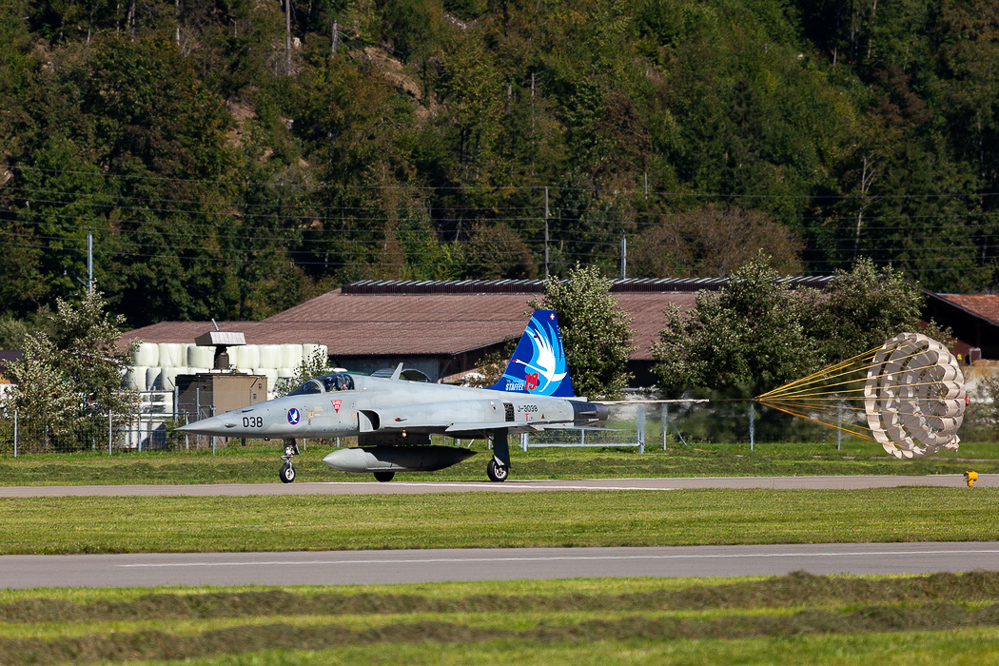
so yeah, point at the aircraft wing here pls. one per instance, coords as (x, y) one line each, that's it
(457, 427)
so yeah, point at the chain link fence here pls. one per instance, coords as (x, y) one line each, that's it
(638, 425)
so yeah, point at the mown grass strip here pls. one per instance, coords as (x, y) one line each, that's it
(964, 646)
(258, 463)
(794, 590)
(935, 617)
(486, 520)
(836, 619)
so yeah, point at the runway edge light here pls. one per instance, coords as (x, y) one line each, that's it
(970, 478)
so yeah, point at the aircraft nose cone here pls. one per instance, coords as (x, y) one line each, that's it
(213, 425)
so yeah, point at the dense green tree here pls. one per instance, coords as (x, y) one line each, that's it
(218, 183)
(713, 242)
(495, 252)
(757, 332)
(746, 337)
(596, 332)
(861, 309)
(71, 376)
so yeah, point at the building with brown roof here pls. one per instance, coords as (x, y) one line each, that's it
(973, 318)
(442, 328)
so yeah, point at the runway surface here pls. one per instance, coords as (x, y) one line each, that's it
(402, 487)
(421, 566)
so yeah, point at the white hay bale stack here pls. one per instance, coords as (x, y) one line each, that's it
(291, 356)
(270, 356)
(200, 357)
(171, 355)
(236, 357)
(146, 353)
(244, 357)
(152, 378)
(309, 348)
(136, 377)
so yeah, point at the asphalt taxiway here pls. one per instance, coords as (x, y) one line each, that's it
(427, 566)
(402, 487)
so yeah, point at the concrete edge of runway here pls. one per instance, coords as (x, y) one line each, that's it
(401, 486)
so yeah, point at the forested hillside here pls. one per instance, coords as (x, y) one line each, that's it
(233, 158)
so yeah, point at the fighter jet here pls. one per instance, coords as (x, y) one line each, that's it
(393, 418)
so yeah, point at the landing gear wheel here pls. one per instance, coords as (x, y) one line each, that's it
(287, 472)
(497, 471)
(384, 476)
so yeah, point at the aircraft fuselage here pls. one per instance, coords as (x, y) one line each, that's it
(384, 409)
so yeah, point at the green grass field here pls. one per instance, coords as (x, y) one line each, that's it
(496, 520)
(797, 618)
(259, 463)
(791, 619)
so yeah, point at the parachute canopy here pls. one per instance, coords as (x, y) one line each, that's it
(907, 395)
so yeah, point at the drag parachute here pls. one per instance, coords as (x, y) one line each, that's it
(907, 395)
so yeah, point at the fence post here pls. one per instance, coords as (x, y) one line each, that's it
(752, 425)
(110, 431)
(523, 442)
(640, 427)
(839, 429)
(15, 433)
(665, 420)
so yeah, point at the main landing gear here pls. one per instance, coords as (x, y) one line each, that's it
(499, 467)
(287, 472)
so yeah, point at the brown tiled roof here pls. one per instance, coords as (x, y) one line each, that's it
(985, 306)
(391, 323)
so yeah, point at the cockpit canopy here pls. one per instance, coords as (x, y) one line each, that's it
(326, 384)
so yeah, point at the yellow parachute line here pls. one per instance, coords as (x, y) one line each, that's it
(879, 397)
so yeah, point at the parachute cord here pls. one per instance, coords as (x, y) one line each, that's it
(860, 432)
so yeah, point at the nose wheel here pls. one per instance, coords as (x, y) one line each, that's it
(287, 473)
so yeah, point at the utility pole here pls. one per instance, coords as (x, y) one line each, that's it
(624, 257)
(90, 263)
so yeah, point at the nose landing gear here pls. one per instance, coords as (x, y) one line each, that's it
(287, 473)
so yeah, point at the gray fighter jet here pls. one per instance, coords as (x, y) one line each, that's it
(393, 418)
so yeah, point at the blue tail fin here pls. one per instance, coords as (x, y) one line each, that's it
(538, 363)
